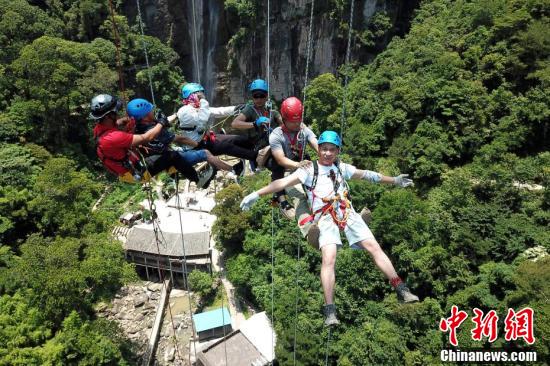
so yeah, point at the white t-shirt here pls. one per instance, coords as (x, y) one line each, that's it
(325, 184)
(196, 120)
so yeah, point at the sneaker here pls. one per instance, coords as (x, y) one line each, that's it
(404, 295)
(238, 168)
(313, 236)
(287, 210)
(206, 177)
(330, 315)
(222, 131)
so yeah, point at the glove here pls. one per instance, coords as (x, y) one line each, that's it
(402, 181)
(249, 200)
(261, 120)
(162, 119)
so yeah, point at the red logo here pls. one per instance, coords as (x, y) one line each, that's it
(519, 325)
(516, 325)
(452, 323)
(485, 326)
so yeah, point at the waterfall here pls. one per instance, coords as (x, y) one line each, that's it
(195, 9)
(209, 72)
(204, 36)
(369, 9)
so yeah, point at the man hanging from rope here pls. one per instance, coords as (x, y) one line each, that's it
(142, 111)
(194, 123)
(288, 143)
(115, 147)
(328, 195)
(258, 119)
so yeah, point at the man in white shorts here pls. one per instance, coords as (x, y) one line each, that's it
(328, 197)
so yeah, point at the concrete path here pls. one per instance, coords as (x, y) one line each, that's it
(237, 316)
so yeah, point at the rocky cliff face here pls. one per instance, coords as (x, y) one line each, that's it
(200, 30)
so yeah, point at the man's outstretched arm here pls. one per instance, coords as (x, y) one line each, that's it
(401, 180)
(275, 186)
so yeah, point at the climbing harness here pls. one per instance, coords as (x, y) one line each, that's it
(333, 204)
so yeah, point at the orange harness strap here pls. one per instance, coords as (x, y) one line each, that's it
(330, 207)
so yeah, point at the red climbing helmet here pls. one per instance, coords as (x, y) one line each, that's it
(291, 110)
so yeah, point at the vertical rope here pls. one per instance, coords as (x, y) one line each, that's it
(272, 281)
(156, 229)
(223, 326)
(346, 77)
(185, 279)
(296, 291)
(267, 46)
(195, 43)
(118, 56)
(328, 345)
(146, 53)
(308, 58)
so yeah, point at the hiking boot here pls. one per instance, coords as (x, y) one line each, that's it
(366, 215)
(287, 210)
(313, 236)
(404, 295)
(206, 177)
(330, 315)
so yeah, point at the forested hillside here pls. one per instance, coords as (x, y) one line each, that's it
(56, 257)
(462, 105)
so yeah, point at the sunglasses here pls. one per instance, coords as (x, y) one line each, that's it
(258, 96)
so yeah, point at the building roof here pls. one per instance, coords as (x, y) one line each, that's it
(212, 319)
(258, 330)
(235, 349)
(143, 239)
(197, 201)
(253, 344)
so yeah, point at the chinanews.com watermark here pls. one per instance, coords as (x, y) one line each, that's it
(487, 356)
(518, 326)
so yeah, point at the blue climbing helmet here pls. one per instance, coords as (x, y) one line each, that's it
(190, 88)
(331, 137)
(139, 108)
(258, 84)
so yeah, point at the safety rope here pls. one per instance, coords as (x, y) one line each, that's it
(308, 56)
(269, 104)
(156, 229)
(118, 57)
(297, 277)
(272, 281)
(328, 346)
(146, 53)
(346, 76)
(185, 278)
(195, 43)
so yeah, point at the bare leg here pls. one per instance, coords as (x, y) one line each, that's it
(328, 253)
(380, 258)
(217, 162)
